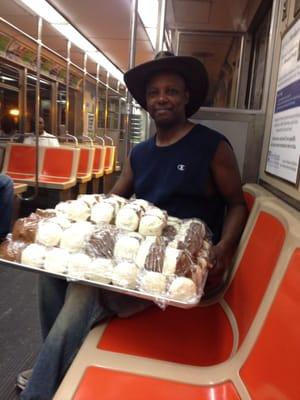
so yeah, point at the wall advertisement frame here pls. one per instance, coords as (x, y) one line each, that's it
(284, 145)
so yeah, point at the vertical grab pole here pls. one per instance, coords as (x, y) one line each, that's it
(161, 25)
(97, 102)
(38, 101)
(84, 119)
(68, 87)
(132, 51)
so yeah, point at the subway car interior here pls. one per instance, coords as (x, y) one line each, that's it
(67, 125)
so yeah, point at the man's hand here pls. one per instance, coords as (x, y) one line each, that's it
(220, 258)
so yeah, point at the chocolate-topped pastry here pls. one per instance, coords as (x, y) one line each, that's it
(172, 228)
(101, 243)
(151, 254)
(190, 236)
(25, 229)
(176, 262)
(11, 250)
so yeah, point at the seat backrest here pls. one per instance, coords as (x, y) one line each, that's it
(86, 160)
(271, 370)
(19, 158)
(99, 159)
(257, 261)
(60, 161)
(251, 192)
(109, 157)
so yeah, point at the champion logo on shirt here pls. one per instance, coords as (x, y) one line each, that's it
(181, 167)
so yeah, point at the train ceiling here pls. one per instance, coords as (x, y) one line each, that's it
(107, 25)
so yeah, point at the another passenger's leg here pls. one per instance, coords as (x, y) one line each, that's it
(82, 309)
(6, 204)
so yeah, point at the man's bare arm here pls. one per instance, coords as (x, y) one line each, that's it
(124, 185)
(228, 181)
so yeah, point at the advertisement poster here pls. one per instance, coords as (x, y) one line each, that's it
(284, 146)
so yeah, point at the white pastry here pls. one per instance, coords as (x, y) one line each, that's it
(48, 233)
(62, 221)
(153, 282)
(33, 255)
(182, 289)
(100, 270)
(125, 275)
(128, 218)
(102, 212)
(170, 260)
(127, 246)
(74, 238)
(56, 260)
(151, 225)
(78, 210)
(77, 264)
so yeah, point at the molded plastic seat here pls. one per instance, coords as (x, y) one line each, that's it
(100, 383)
(99, 159)
(59, 167)
(271, 370)
(109, 159)
(202, 346)
(20, 162)
(85, 166)
(176, 335)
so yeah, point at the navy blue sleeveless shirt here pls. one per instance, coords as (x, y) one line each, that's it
(174, 177)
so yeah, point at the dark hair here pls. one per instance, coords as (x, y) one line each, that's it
(8, 124)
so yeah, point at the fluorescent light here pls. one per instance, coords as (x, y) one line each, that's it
(148, 12)
(75, 37)
(152, 32)
(6, 78)
(34, 79)
(49, 14)
(45, 10)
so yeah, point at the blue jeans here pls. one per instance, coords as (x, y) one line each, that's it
(74, 312)
(6, 204)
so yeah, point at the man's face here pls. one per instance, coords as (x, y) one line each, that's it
(166, 98)
(41, 125)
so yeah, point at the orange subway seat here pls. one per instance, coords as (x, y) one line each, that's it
(109, 159)
(99, 160)
(85, 166)
(271, 370)
(177, 335)
(105, 384)
(20, 162)
(59, 167)
(255, 270)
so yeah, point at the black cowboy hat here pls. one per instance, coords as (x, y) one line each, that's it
(191, 70)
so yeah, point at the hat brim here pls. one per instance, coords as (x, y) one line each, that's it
(191, 69)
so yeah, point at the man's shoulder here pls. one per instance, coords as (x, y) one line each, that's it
(142, 146)
(203, 129)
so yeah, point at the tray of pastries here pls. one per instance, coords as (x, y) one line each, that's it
(128, 246)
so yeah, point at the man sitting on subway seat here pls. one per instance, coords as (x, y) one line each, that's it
(186, 169)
